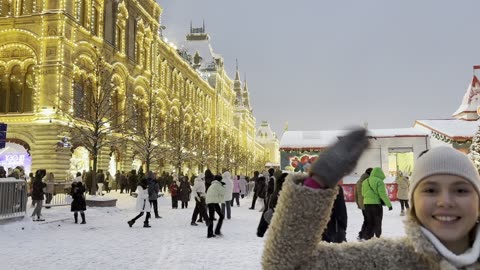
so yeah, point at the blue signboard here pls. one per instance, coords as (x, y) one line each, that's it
(3, 135)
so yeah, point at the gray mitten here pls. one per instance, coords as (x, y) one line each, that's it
(340, 158)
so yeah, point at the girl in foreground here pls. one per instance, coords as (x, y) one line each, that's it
(441, 229)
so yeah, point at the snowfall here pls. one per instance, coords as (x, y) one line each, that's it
(107, 242)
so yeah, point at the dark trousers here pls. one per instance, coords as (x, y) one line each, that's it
(361, 234)
(48, 198)
(184, 204)
(374, 215)
(404, 204)
(236, 197)
(155, 207)
(122, 187)
(147, 217)
(200, 209)
(254, 200)
(212, 208)
(174, 202)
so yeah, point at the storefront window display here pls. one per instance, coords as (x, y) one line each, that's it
(14, 155)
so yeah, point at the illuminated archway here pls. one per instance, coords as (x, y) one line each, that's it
(80, 161)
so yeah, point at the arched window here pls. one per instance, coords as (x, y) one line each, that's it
(95, 21)
(140, 117)
(79, 97)
(138, 51)
(25, 7)
(3, 90)
(117, 104)
(90, 101)
(15, 95)
(118, 38)
(144, 55)
(82, 13)
(4, 8)
(28, 90)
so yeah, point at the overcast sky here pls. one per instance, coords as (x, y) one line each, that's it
(332, 64)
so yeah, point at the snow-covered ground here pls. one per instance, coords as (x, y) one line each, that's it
(106, 241)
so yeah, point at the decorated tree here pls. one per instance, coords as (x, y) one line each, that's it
(475, 150)
(94, 120)
(147, 136)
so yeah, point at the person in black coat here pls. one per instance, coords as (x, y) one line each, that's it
(336, 231)
(208, 179)
(255, 189)
(153, 189)
(184, 190)
(37, 194)
(261, 186)
(78, 204)
(263, 225)
(132, 181)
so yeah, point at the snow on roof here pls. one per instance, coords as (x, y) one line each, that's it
(453, 128)
(471, 99)
(204, 49)
(323, 138)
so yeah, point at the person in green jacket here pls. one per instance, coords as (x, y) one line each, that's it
(374, 195)
(359, 201)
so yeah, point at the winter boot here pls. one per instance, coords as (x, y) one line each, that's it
(83, 218)
(402, 213)
(75, 215)
(130, 223)
(146, 225)
(193, 223)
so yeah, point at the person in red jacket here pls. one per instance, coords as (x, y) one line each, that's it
(174, 193)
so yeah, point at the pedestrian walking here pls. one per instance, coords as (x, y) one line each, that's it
(265, 218)
(49, 189)
(38, 194)
(359, 201)
(403, 187)
(236, 190)
(375, 196)
(100, 182)
(200, 204)
(174, 194)
(243, 186)
(118, 181)
(132, 181)
(184, 191)
(153, 189)
(336, 231)
(226, 205)
(255, 188)
(143, 206)
(78, 203)
(215, 196)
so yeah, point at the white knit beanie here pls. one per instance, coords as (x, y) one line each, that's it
(444, 160)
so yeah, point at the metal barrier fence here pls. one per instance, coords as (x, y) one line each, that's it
(59, 195)
(13, 198)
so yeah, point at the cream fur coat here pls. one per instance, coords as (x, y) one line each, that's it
(294, 238)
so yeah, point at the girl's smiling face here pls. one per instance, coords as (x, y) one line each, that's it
(448, 206)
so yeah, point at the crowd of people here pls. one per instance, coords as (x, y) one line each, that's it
(440, 200)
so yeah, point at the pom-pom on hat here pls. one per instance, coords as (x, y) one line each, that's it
(444, 160)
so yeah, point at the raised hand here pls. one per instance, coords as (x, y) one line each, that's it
(340, 158)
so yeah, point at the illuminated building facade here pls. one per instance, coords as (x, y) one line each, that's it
(49, 51)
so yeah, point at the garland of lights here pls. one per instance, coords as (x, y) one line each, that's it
(446, 139)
